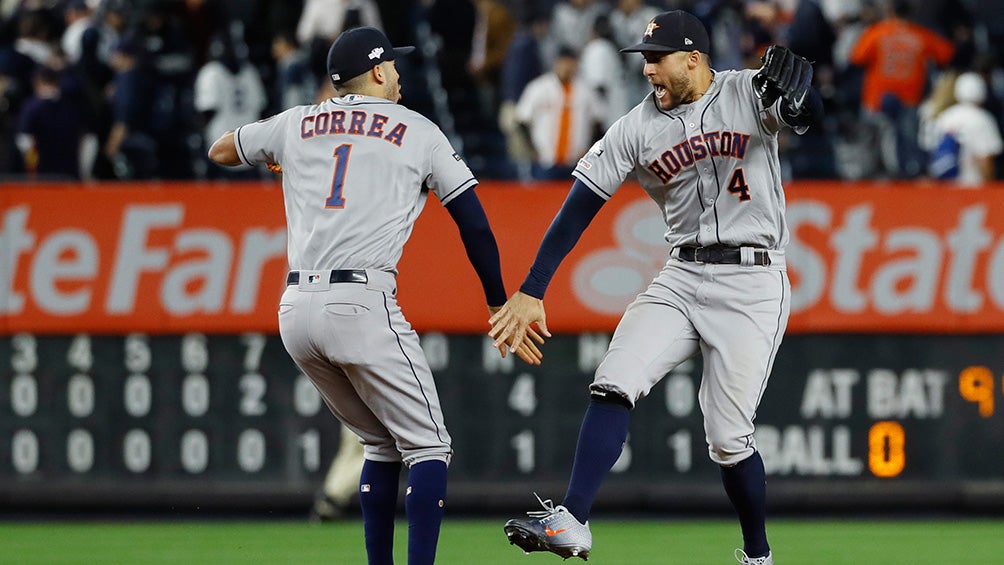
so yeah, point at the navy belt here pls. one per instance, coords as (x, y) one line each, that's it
(337, 276)
(722, 254)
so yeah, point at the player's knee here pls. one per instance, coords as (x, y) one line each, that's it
(609, 396)
(442, 453)
(382, 451)
(728, 450)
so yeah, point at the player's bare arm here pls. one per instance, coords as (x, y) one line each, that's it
(224, 151)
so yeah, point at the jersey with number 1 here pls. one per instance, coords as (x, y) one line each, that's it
(711, 165)
(356, 171)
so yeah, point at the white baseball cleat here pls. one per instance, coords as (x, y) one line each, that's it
(745, 560)
(553, 529)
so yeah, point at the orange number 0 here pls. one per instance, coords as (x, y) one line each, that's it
(886, 449)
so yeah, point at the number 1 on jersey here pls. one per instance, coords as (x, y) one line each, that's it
(341, 156)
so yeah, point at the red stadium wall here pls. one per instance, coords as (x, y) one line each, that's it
(181, 257)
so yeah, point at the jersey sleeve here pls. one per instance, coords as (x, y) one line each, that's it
(449, 175)
(609, 161)
(262, 141)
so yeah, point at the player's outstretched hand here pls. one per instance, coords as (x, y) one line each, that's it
(511, 324)
(527, 350)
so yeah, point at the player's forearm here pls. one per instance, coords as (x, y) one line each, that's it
(479, 242)
(579, 209)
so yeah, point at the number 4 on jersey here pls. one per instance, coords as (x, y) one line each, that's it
(341, 156)
(738, 185)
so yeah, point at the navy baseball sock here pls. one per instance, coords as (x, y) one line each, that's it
(424, 503)
(601, 438)
(746, 485)
(378, 488)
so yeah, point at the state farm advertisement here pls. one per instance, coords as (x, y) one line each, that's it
(184, 257)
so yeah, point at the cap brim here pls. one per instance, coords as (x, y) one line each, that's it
(648, 47)
(398, 51)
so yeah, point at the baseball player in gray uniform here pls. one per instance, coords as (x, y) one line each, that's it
(356, 172)
(703, 145)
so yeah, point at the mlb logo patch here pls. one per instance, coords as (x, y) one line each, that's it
(457, 157)
(364, 488)
(313, 279)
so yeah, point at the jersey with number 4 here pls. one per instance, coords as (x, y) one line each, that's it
(356, 171)
(711, 165)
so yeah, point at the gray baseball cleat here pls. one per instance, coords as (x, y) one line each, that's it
(745, 560)
(553, 529)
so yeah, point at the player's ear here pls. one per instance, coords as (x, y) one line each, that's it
(378, 74)
(694, 59)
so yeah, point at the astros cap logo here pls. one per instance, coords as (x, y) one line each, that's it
(652, 26)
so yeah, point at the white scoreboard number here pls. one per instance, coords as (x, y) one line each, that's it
(147, 407)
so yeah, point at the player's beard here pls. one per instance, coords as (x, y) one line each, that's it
(679, 90)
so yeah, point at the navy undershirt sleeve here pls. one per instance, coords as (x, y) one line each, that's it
(579, 209)
(479, 241)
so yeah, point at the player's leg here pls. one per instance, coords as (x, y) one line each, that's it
(654, 336)
(389, 370)
(379, 477)
(741, 330)
(651, 339)
(318, 355)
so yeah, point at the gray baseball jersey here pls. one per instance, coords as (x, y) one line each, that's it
(712, 167)
(355, 174)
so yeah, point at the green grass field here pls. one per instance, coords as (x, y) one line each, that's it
(628, 542)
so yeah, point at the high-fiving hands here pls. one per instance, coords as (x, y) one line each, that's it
(525, 348)
(511, 327)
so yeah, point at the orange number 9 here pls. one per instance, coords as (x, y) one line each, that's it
(976, 384)
(886, 453)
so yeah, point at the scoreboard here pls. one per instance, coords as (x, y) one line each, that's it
(228, 420)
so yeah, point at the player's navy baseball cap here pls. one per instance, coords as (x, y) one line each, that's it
(673, 31)
(359, 50)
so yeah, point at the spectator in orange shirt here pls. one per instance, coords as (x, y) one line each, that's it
(894, 53)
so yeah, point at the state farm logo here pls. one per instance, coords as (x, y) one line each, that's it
(151, 260)
(850, 268)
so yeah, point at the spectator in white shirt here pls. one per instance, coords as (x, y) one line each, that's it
(974, 129)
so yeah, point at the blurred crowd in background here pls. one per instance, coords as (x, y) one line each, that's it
(138, 89)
